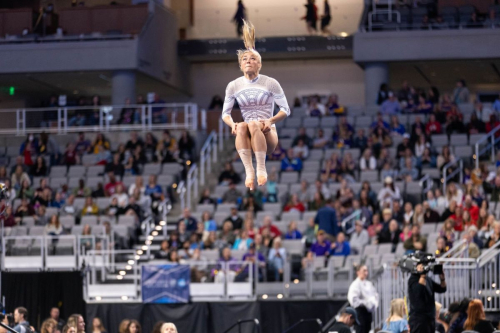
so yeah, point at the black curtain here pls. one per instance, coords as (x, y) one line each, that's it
(216, 317)
(39, 292)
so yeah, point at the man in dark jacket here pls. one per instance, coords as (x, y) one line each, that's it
(326, 219)
(390, 235)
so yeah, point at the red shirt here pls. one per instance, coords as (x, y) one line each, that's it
(491, 126)
(110, 188)
(273, 230)
(459, 223)
(299, 206)
(433, 127)
(474, 213)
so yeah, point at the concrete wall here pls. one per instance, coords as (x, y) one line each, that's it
(427, 45)
(70, 56)
(212, 18)
(297, 77)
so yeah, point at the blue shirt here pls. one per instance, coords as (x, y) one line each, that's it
(319, 249)
(326, 219)
(496, 105)
(247, 255)
(153, 190)
(210, 225)
(400, 129)
(342, 249)
(397, 326)
(390, 107)
(295, 164)
(295, 234)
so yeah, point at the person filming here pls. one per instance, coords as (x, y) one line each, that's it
(421, 289)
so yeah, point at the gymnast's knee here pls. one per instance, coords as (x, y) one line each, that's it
(242, 129)
(254, 126)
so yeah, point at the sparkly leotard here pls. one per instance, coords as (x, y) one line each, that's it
(255, 97)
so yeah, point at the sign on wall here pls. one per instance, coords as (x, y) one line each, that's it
(165, 284)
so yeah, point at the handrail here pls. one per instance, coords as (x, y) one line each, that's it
(390, 12)
(308, 320)
(223, 133)
(452, 174)
(29, 120)
(240, 321)
(349, 218)
(456, 246)
(191, 186)
(429, 181)
(208, 155)
(490, 135)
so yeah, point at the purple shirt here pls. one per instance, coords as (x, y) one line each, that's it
(320, 250)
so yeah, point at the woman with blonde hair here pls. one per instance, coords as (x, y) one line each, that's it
(123, 326)
(396, 323)
(476, 319)
(48, 326)
(168, 328)
(97, 326)
(256, 95)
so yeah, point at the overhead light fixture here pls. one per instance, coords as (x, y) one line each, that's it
(280, 296)
(131, 262)
(119, 277)
(98, 298)
(144, 247)
(128, 267)
(344, 34)
(137, 257)
(122, 273)
(139, 252)
(124, 298)
(162, 223)
(154, 233)
(264, 296)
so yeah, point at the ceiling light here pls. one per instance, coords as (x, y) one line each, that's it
(122, 273)
(139, 252)
(128, 267)
(98, 298)
(154, 233)
(131, 262)
(158, 227)
(144, 247)
(264, 296)
(119, 277)
(151, 238)
(124, 298)
(137, 257)
(163, 223)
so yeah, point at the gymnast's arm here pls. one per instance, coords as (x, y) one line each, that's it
(280, 100)
(228, 107)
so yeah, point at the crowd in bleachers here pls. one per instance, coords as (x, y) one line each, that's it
(323, 189)
(94, 187)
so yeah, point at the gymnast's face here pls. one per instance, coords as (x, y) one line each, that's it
(250, 63)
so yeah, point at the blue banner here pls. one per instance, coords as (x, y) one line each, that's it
(165, 284)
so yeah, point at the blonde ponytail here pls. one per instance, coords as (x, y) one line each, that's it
(248, 35)
(248, 40)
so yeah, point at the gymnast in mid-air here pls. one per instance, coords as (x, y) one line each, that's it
(256, 95)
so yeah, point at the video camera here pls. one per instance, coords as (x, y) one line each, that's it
(409, 263)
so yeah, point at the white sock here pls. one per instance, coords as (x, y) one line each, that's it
(246, 158)
(260, 156)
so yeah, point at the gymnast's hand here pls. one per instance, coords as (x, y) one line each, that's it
(267, 125)
(234, 128)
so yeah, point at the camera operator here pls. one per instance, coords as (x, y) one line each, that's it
(421, 289)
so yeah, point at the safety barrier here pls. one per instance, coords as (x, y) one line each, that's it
(208, 155)
(459, 164)
(102, 118)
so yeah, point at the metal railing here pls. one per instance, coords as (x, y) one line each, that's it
(189, 188)
(465, 277)
(224, 132)
(102, 118)
(426, 183)
(459, 163)
(208, 155)
(490, 140)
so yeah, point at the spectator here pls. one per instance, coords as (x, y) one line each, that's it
(475, 125)
(226, 237)
(271, 189)
(321, 247)
(24, 210)
(110, 187)
(216, 103)
(120, 195)
(315, 108)
(454, 121)
(153, 189)
(189, 221)
(383, 93)
(235, 219)
(39, 168)
(293, 232)
(317, 202)
(90, 207)
(326, 219)
(232, 195)
(390, 105)
(476, 318)
(55, 315)
(254, 257)
(417, 242)
(390, 235)
(302, 136)
(424, 106)
(495, 235)
(19, 177)
(359, 238)
(396, 127)
(301, 150)
(21, 320)
(70, 156)
(496, 104)
(379, 122)
(389, 193)
(134, 327)
(277, 257)
(404, 146)
(473, 249)
(367, 161)
(206, 198)
(396, 323)
(334, 108)
(290, 162)
(433, 126)
(380, 139)
(474, 22)
(115, 166)
(408, 173)
(249, 204)
(278, 154)
(97, 326)
(186, 146)
(430, 215)
(54, 227)
(454, 193)
(294, 205)
(461, 93)
(25, 192)
(360, 140)
(243, 241)
(267, 224)
(342, 136)
(347, 319)
(492, 124)
(259, 245)
(131, 167)
(100, 144)
(29, 149)
(445, 157)
(341, 246)
(82, 145)
(310, 232)
(81, 191)
(229, 175)
(332, 168)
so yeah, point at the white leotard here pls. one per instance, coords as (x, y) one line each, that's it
(255, 97)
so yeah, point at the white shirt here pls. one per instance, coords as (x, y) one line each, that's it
(370, 165)
(357, 241)
(255, 97)
(304, 150)
(363, 293)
